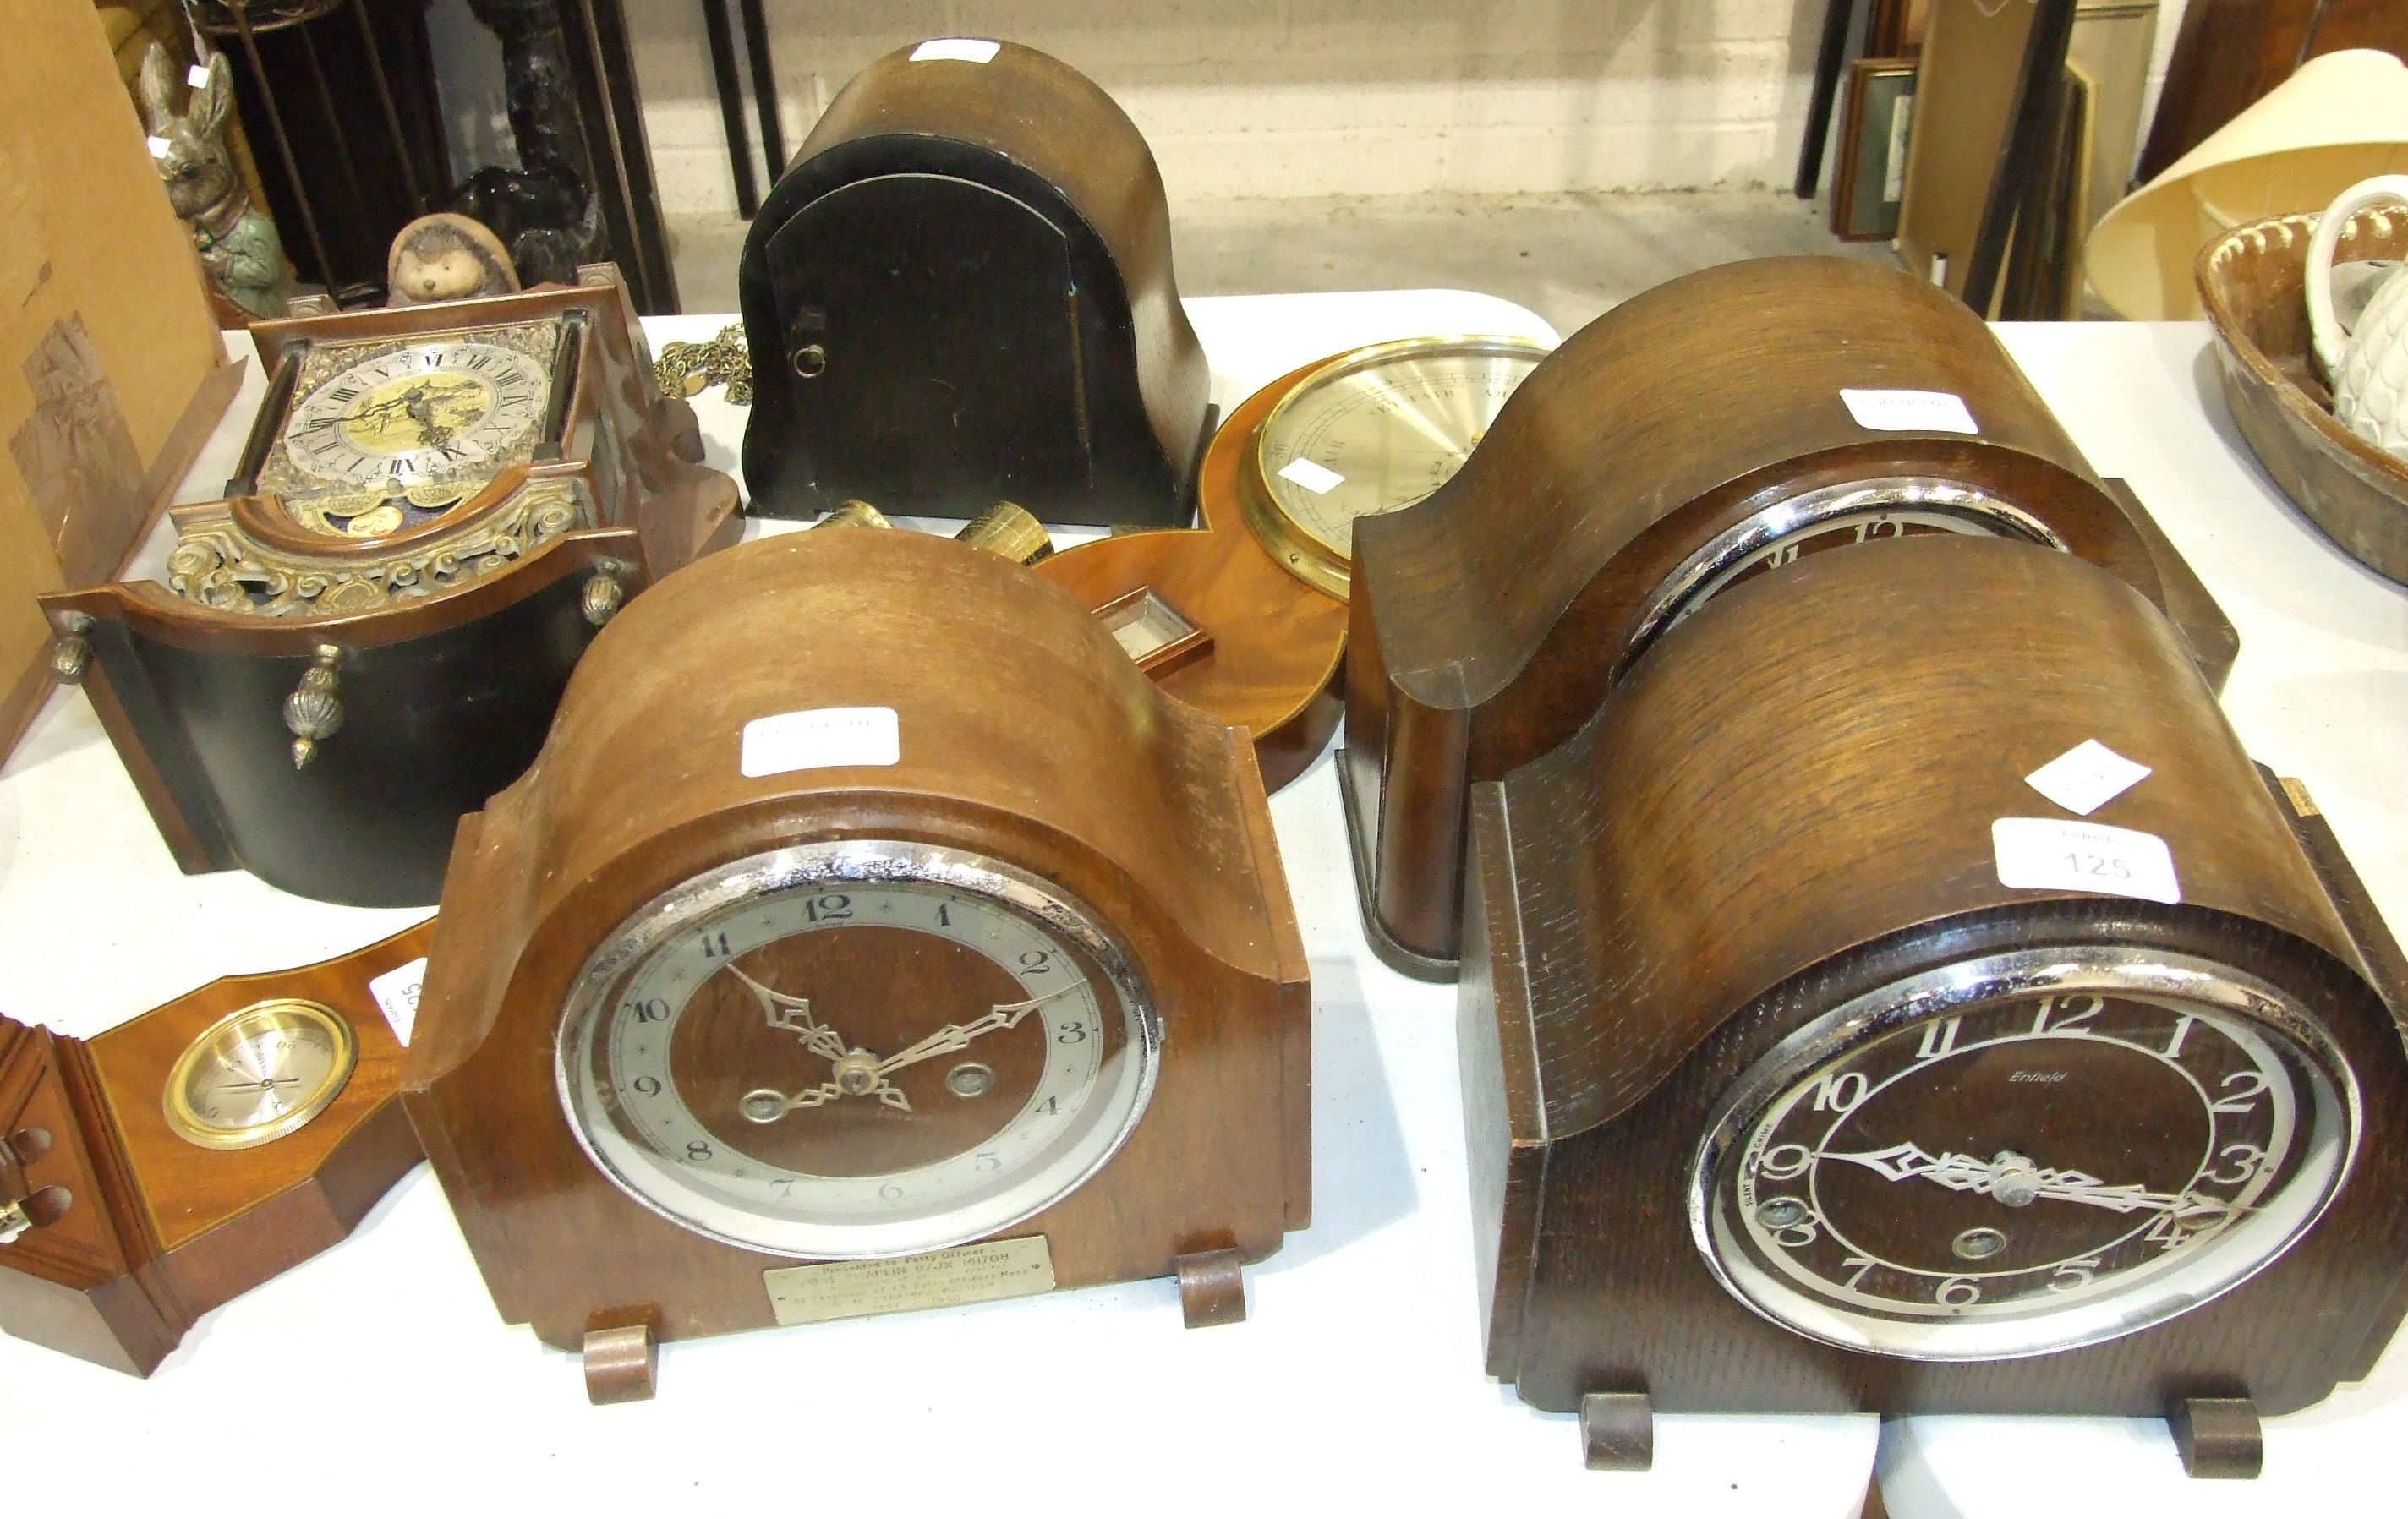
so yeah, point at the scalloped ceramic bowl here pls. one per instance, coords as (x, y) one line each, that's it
(2251, 281)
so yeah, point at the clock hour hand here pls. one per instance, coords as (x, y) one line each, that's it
(765, 1105)
(958, 1036)
(2015, 1181)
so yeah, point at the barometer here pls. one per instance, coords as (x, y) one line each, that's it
(153, 1172)
(1369, 432)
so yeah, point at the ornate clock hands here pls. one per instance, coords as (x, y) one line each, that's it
(792, 1015)
(2015, 1181)
(958, 1036)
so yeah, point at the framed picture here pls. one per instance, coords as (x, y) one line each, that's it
(1874, 120)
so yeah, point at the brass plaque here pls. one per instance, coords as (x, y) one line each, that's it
(979, 1274)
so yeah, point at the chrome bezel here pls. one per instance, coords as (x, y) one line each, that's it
(2215, 1265)
(667, 1191)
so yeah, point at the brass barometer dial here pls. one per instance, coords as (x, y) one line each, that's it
(260, 1073)
(1372, 431)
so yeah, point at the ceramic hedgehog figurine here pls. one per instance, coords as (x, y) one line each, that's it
(237, 242)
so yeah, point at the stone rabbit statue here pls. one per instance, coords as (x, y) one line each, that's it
(237, 242)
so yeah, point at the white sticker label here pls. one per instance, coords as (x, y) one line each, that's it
(396, 993)
(1312, 475)
(197, 76)
(1909, 411)
(2054, 855)
(158, 145)
(960, 50)
(823, 736)
(2087, 777)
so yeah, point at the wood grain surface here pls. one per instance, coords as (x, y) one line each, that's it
(1789, 804)
(1489, 619)
(1277, 644)
(158, 1230)
(1028, 737)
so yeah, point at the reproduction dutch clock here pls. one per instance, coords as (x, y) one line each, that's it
(1844, 1065)
(1721, 427)
(923, 983)
(961, 291)
(436, 506)
(1369, 432)
(151, 1173)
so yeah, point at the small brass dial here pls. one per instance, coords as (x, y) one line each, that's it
(1371, 431)
(260, 1073)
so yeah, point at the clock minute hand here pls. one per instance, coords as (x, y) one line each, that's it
(2014, 1181)
(792, 1015)
(958, 1036)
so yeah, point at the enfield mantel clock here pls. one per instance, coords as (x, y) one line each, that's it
(1820, 1056)
(805, 979)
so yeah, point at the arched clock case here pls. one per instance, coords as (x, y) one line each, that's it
(962, 291)
(1691, 438)
(789, 959)
(1782, 1101)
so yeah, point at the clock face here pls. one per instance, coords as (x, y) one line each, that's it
(2023, 1154)
(1861, 512)
(259, 1074)
(1374, 432)
(387, 435)
(856, 1050)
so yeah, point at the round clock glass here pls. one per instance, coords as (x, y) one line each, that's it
(260, 1073)
(856, 1050)
(2026, 1153)
(405, 432)
(1369, 432)
(1831, 517)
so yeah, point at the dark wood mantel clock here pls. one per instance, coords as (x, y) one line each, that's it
(1716, 428)
(151, 1173)
(808, 979)
(1818, 1057)
(961, 292)
(437, 509)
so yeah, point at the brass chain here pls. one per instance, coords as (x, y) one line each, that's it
(691, 368)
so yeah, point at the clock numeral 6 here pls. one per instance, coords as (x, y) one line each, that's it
(1958, 1292)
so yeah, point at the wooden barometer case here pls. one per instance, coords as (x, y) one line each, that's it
(1818, 1057)
(1214, 618)
(153, 1173)
(961, 292)
(437, 506)
(807, 979)
(1719, 428)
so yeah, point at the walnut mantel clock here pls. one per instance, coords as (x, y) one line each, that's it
(437, 506)
(151, 1173)
(1718, 428)
(1818, 1058)
(919, 981)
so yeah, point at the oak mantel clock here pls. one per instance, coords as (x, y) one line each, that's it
(153, 1172)
(1714, 429)
(804, 979)
(437, 506)
(1820, 1056)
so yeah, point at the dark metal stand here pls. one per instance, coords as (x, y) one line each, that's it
(730, 88)
(2020, 160)
(1838, 18)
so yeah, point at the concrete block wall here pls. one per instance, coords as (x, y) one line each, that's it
(1242, 98)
